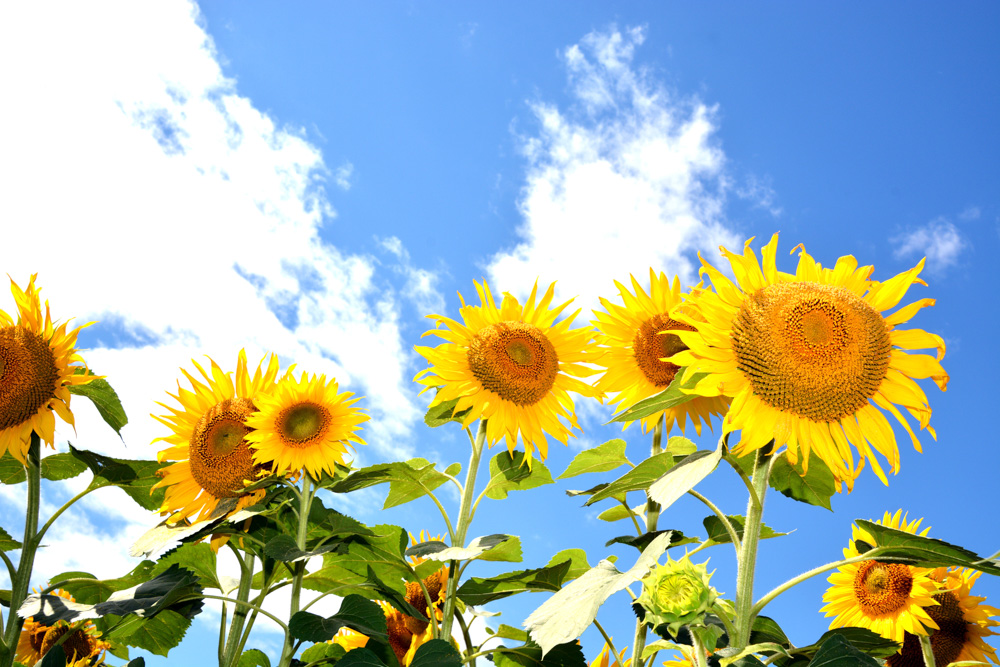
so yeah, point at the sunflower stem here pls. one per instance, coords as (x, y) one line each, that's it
(697, 649)
(927, 650)
(239, 612)
(288, 650)
(652, 516)
(464, 518)
(20, 583)
(748, 549)
(722, 517)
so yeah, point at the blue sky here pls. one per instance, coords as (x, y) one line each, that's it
(314, 178)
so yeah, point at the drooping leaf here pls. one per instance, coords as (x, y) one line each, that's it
(602, 458)
(670, 397)
(257, 658)
(284, 548)
(766, 629)
(510, 632)
(815, 487)
(530, 655)
(396, 598)
(442, 413)
(407, 480)
(478, 590)
(836, 651)
(638, 478)
(684, 476)
(619, 512)
(507, 552)
(640, 542)
(355, 612)
(718, 533)
(157, 635)
(105, 400)
(8, 543)
(439, 551)
(680, 446)
(923, 551)
(436, 653)
(54, 657)
(511, 473)
(136, 478)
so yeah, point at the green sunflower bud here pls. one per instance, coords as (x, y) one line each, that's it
(677, 594)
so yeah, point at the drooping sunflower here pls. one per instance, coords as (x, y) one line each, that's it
(635, 338)
(887, 598)
(209, 440)
(38, 364)
(305, 425)
(83, 648)
(963, 624)
(606, 658)
(810, 358)
(512, 366)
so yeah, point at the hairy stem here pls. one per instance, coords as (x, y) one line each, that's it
(748, 550)
(652, 516)
(288, 650)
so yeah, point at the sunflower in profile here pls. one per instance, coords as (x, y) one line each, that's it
(305, 425)
(963, 624)
(890, 599)
(208, 441)
(83, 648)
(810, 358)
(38, 364)
(607, 659)
(512, 366)
(635, 338)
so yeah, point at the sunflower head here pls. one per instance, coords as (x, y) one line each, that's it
(811, 359)
(305, 424)
(38, 364)
(887, 598)
(636, 338)
(208, 440)
(512, 366)
(677, 594)
(83, 647)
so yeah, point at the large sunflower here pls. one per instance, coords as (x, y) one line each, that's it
(512, 366)
(808, 357)
(208, 440)
(305, 424)
(38, 364)
(636, 338)
(83, 648)
(887, 598)
(963, 623)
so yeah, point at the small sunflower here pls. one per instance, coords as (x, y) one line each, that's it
(963, 623)
(512, 366)
(305, 425)
(606, 658)
(887, 598)
(636, 338)
(810, 358)
(83, 648)
(38, 364)
(209, 440)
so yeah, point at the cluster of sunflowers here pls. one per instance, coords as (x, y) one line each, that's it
(804, 366)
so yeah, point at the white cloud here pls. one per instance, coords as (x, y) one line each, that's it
(342, 176)
(629, 177)
(939, 241)
(970, 213)
(421, 285)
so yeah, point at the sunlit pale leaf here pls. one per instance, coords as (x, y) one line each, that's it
(602, 458)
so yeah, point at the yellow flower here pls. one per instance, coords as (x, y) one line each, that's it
(887, 598)
(808, 357)
(38, 364)
(304, 425)
(512, 366)
(83, 647)
(636, 338)
(606, 659)
(208, 440)
(424, 537)
(963, 624)
(349, 639)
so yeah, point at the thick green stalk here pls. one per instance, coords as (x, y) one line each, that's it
(288, 650)
(231, 656)
(652, 516)
(464, 515)
(748, 550)
(19, 587)
(927, 650)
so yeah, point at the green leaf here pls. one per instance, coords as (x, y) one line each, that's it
(395, 598)
(356, 613)
(316, 653)
(510, 632)
(717, 531)
(670, 397)
(638, 479)
(360, 657)
(923, 551)
(602, 458)
(577, 559)
(348, 567)
(619, 512)
(442, 413)
(837, 652)
(862, 639)
(640, 542)
(563, 655)
(512, 473)
(157, 635)
(11, 470)
(815, 487)
(479, 591)
(589, 492)
(436, 653)
(407, 480)
(767, 630)
(680, 446)
(8, 543)
(104, 399)
(284, 548)
(199, 558)
(92, 590)
(136, 478)
(257, 658)
(508, 552)
(54, 657)
(135, 662)
(684, 476)
(439, 551)
(61, 466)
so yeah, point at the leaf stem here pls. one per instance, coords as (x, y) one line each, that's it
(746, 480)
(748, 549)
(465, 634)
(610, 644)
(248, 605)
(722, 517)
(58, 512)
(652, 516)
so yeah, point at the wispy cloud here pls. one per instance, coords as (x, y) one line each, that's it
(342, 176)
(939, 241)
(628, 177)
(970, 213)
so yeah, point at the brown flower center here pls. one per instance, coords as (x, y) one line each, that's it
(77, 645)
(300, 425)
(818, 351)
(650, 346)
(220, 457)
(514, 360)
(882, 588)
(946, 642)
(28, 375)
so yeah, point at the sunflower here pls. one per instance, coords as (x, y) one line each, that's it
(512, 366)
(209, 442)
(83, 647)
(636, 338)
(305, 424)
(349, 639)
(887, 598)
(606, 658)
(38, 364)
(963, 624)
(809, 358)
